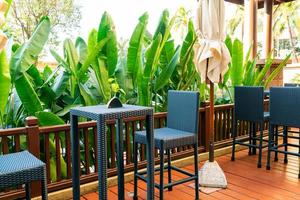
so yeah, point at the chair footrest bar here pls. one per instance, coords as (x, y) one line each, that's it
(182, 171)
(285, 152)
(179, 182)
(249, 145)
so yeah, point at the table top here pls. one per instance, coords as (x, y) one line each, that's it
(98, 110)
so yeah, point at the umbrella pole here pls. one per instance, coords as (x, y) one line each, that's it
(211, 121)
(211, 174)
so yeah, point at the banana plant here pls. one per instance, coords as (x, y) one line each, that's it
(243, 70)
(5, 86)
(31, 88)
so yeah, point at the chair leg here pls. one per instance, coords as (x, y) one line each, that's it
(270, 142)
(135, 162)
(196, 171)
(169, 169)
(233, 142)
(27, 191)
(254, 140)
(299, 148)
(161, 175)
(260, 144)
(285, 141)
(44, 186)
(250, 139)
(276, 143)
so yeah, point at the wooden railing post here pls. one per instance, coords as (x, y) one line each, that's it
(33, 142)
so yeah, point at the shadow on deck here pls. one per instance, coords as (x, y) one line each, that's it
(245, 181)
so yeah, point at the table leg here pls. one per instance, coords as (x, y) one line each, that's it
(102, 159)
(75, 157)
(120, 159)
(150, 157)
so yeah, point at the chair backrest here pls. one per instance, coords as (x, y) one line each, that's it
(249, 103)
(291, 85)
(183, 109)
(285, 106)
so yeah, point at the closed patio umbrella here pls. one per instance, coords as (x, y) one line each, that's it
(211, 59)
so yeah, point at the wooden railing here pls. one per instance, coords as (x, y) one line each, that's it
(53, 146)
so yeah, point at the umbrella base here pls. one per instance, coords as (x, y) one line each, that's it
(211, 175)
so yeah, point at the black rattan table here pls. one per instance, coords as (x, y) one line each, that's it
(101, 113)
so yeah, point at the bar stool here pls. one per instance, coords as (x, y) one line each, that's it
(249, 106)
(284, 111)
(22, 168)
(181, 130)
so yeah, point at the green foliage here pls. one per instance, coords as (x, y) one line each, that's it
(243, 70)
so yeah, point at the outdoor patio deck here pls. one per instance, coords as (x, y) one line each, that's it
(245, 181)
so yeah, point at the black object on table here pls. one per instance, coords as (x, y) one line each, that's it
(101, 113)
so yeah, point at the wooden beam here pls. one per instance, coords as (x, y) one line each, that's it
(250, 27)
(268, 7)
(260, 2)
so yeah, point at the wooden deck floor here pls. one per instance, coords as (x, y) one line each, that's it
(245, 181)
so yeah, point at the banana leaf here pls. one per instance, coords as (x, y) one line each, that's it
(93, 53)
(110, 50)
(134, 56)
(27, 94)
(236, 71)
(145, 77)
(4, 82)
(277, 70)
(166, 73)
(82, 49)
(28, 53)
(60, 83)
(262, 74)
(162, 25)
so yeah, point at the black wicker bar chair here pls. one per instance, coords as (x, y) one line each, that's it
(249, 106)
(181, 130)
(284, 111)
(22, 168)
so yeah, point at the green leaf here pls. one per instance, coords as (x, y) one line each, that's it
(71, 56)
(27, 55)
(102, 79)
(228, 43)
(92, 56)
(4, 82)
(28, 96)
(86, 94)
(48, 119)
(34, 73)
(167, 72)
(277, 70)
(110, 50)
(236, 71)
(134, 56)
(146, 76)
(262, 74)
(92, 40)
(163, 23)
(82, 49)
(60, 83)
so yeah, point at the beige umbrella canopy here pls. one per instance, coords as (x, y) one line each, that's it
(210, 28)
(211, 59)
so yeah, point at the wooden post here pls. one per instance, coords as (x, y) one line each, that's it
(250, 26)
(33, 142)
(268, 7)
(211, 122)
